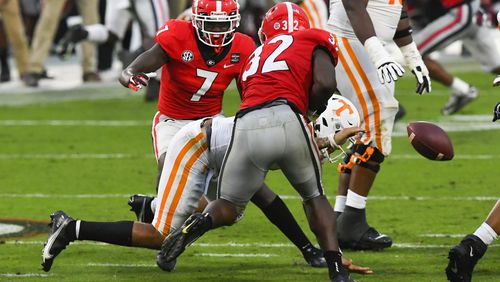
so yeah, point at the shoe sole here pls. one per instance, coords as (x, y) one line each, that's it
(455, 257)
(47, 258)
(176, 242)
(172, 246)
(163, 264)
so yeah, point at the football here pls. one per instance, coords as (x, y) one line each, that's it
(430, 141)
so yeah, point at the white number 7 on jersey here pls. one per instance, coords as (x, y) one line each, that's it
(209, 80)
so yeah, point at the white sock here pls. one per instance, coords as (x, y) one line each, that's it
(77, 228)
(97, 33)
(486, 233)
(153, 205)
(354, 200)
(460, 85)
(339, 203)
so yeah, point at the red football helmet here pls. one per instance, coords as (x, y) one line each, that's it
(215, 21)
(284, 17)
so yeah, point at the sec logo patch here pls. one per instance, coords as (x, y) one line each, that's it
(187, 56)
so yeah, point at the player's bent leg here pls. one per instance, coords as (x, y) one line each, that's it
(352, 227)
(193, 228)
(64, 230)
(464, 256)
(278, 213)
(322, 222)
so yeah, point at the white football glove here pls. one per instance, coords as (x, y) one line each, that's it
(387, 68)
(414, 62)
(496, 81)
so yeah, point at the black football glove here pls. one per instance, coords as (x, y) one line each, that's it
(416, 64)
(423, 80)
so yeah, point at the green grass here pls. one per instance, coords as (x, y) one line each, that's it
(404, 220)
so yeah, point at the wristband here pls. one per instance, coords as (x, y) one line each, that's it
(376, 51)
(411, 54)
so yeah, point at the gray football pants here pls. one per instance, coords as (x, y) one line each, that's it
(265, 139)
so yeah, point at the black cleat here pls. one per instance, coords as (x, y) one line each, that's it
(463, 257)
(342, 275)
(141, 206)
(163, 264)
(57, 240)
(178, 240)
(314, 257)
(371, 240)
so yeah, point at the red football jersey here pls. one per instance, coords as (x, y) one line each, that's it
(282, 68)
(192, 86)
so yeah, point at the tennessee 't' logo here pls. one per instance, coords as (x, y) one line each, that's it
(344, 107)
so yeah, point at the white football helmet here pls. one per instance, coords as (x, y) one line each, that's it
(340, 113)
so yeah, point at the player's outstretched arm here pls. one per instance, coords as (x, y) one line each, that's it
(360, 19)
(335, 140)
(134, 75)
(411, 54)
(388, 70)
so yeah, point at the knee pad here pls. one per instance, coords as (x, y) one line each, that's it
(363, 155)
(344, 168)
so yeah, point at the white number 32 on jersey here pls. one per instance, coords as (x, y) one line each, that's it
(269, 64)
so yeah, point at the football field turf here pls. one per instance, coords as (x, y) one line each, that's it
(87, 156)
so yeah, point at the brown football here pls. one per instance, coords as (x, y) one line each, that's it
(430, 141)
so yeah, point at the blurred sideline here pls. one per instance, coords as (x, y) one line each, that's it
(67, 76)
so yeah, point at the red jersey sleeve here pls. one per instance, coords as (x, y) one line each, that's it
(168, 36)
(247, 46)
(325, 41)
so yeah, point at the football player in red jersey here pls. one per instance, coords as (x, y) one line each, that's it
(289, 75)
(199, 59)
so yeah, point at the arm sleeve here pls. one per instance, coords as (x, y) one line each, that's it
(328, 43)
(166, 37)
